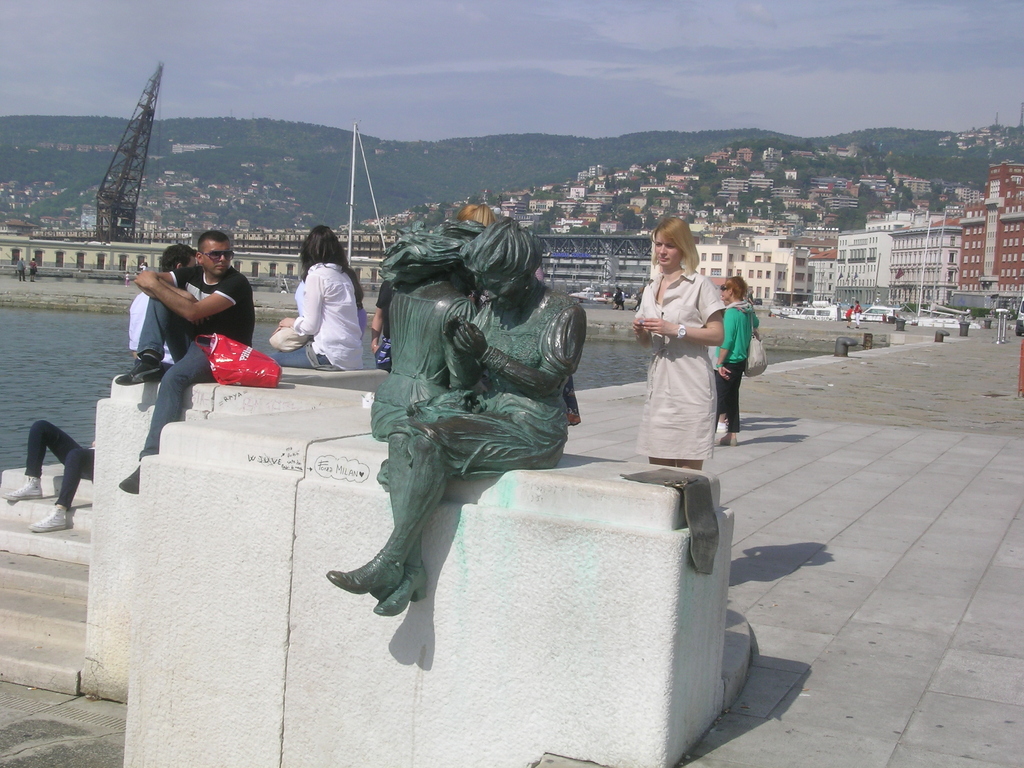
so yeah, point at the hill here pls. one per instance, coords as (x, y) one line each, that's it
(278, 173)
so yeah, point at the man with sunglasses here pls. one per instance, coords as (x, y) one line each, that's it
(211, 297)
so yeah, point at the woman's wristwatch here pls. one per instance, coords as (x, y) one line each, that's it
(681, 332)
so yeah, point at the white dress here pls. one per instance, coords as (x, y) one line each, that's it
(679, 414)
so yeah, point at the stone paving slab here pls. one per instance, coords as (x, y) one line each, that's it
(879, 557)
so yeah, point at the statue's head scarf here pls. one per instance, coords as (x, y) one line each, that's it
(420, 254)
(503, 248)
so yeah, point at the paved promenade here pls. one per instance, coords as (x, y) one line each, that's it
(878, 556)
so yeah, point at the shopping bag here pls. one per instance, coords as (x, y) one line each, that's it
(234, 363)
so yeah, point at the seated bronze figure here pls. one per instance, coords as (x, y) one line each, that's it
(470, 393)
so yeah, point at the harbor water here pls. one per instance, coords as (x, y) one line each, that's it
(56, 365)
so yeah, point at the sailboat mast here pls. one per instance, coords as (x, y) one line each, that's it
(352, 191)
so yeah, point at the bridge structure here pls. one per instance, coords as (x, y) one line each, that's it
(604, 262)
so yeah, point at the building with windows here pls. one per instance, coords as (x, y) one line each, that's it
(824, 275)
(992, 258)
(110, 261)
(924, 263)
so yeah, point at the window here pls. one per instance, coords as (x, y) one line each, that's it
(291, 270)
(716, 257)
(703, 257)
(767, 293)
(255, 269)
(101, 260)
(716, 272)
(768, 274)
(122, 262)
(750, 273)
(60, 258)
(80, 260)
(273, 269)
(702, 271)
(39, 258)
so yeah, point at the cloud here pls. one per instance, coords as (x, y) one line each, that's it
(440, 68)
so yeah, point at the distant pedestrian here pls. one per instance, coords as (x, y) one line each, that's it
(857, 314)
(849, 316)
(32, 269)
(618, 300)
(21, 270)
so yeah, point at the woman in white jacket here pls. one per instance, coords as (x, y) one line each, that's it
(330, 304)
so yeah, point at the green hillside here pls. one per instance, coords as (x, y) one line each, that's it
(310, 163)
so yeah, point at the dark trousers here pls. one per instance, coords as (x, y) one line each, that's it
(77, 461)
(729, 394)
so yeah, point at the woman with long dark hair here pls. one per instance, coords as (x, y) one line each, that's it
(330, 302)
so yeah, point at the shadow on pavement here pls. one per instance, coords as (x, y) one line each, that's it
(773, 562)
(754, 423)
(775, 439)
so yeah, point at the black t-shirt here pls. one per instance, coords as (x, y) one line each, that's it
(236, 322)
(383, 305)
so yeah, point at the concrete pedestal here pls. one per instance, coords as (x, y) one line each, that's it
(562, 617)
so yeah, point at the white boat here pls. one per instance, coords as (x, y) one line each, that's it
(590, 294)
(818, 311)
(944, 318)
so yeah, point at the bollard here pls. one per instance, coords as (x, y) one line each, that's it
(901, 324)
(987, 323)
(964, 327)
(869, 341)
(940, 335)
(843, 344)
(1002, 317)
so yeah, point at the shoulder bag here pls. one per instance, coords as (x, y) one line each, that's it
(757, 361)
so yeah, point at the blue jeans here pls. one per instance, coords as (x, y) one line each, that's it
(162, 326)
(192, 368)
(77, 461)
(303, 357)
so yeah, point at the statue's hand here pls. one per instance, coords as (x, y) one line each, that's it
(466, 338)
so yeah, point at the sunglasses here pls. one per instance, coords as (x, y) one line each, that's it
(217, 255)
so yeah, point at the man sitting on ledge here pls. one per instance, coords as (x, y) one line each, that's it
(211, 297)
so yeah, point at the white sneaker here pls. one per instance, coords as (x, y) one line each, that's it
(30, 490)
(722, 428)
(59, 520)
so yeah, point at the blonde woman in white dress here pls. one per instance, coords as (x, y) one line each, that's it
(679, 317)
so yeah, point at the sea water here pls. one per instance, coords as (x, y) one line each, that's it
(56, 365)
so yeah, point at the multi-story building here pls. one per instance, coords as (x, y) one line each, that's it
(824, 274)
(924, 262)
(992, 260)
(863, 258)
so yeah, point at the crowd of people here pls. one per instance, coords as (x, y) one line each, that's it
(693, 393)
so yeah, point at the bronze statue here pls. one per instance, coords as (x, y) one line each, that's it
(527, 339)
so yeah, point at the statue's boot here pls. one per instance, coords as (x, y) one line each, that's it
(413, 588)
(382, 573)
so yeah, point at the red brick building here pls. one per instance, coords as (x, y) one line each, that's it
(992, 257)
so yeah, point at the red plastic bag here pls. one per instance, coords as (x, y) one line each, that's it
(234, 363)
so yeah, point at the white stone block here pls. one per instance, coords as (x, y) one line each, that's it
(579, 629)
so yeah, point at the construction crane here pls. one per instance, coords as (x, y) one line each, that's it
(118, 198)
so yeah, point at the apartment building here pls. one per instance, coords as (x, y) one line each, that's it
(824, 264)
(924, 262)
(992, 261)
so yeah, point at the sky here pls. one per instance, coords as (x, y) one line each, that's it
(436, 69)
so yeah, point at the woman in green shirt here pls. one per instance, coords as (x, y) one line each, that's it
(740, 324)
